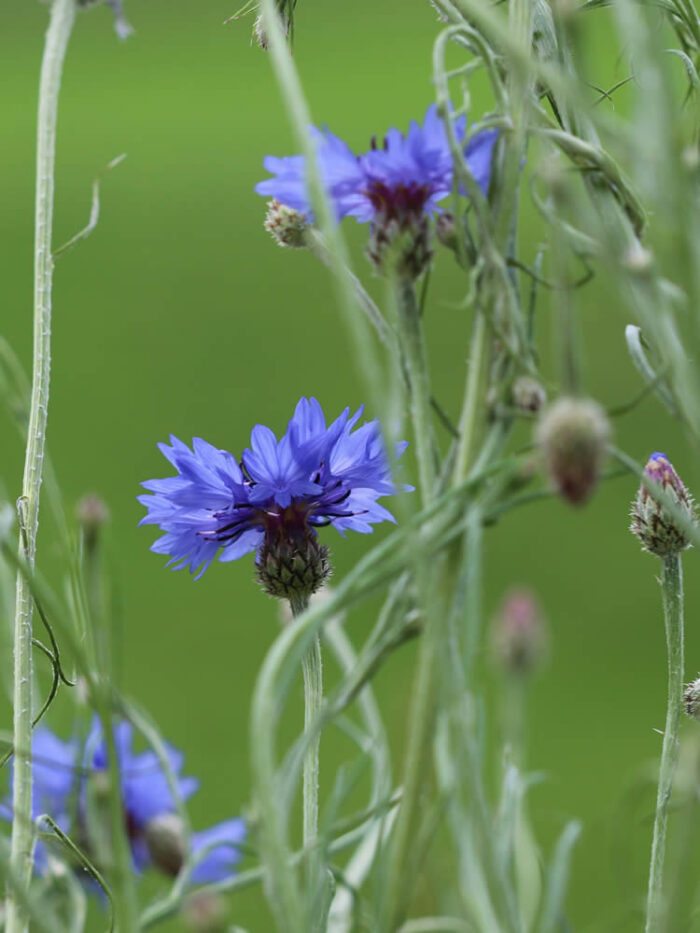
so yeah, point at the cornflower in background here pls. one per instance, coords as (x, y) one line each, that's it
(70, 786)
(54, 764)
(155, 831)
(395, 187)
(274, 501)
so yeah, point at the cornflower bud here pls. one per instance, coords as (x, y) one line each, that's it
(165, 839)
(286, 225)
(572, 435)
(528, 394)
(658, 531)
(92, 514)
(691, 698)
(446, 230)
(519, 633)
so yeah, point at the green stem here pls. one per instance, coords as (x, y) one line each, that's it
(672, 591)
(416, 363)
(21, 851)
(473, 399)
(312, 667)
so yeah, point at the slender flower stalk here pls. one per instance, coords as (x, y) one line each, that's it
(660, 535)
(672, 591)
(21, 854)
(312, 667)
(416, 363)
(473, 392)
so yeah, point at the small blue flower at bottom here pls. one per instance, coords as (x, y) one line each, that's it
(150, 809)
(66, 781)
(282, 490)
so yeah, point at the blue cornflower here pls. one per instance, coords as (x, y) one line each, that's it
(54, 769)
(279, 494)
(409, 173)
(150, 809)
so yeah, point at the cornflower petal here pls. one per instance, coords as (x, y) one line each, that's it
(222, 843)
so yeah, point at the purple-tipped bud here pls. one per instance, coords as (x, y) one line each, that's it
(519, 633)
(572, 435)
(165, 838)
(691, 699)
(528, 394)
(286, 225)
(658, 531)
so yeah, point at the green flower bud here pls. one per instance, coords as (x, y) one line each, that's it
(286, 225)
(165, 838)
(572, 435)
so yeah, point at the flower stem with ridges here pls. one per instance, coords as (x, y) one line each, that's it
(21, 851)
(312, 667)
(672, 591)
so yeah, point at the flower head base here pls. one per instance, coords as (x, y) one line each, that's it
(572, 435)
(656, 529)
(291, 563)
(395, 187)
(275, 499)
(286, 225)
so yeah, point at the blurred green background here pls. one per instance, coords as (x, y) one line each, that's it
(180, 315)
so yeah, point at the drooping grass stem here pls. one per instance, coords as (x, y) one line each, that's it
(672, 592)
(21, 852)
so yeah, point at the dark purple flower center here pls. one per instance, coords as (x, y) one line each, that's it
(398, 202)
(276, 522)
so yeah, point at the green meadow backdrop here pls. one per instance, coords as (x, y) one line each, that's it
(180, 315)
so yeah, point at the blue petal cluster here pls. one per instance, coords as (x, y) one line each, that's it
(60, 792)
(409, 173)
(315, 474)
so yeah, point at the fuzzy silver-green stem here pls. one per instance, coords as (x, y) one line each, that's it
(312, 667)
(672, 590)
(21, 850)
(416, 364)
(473, 398)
